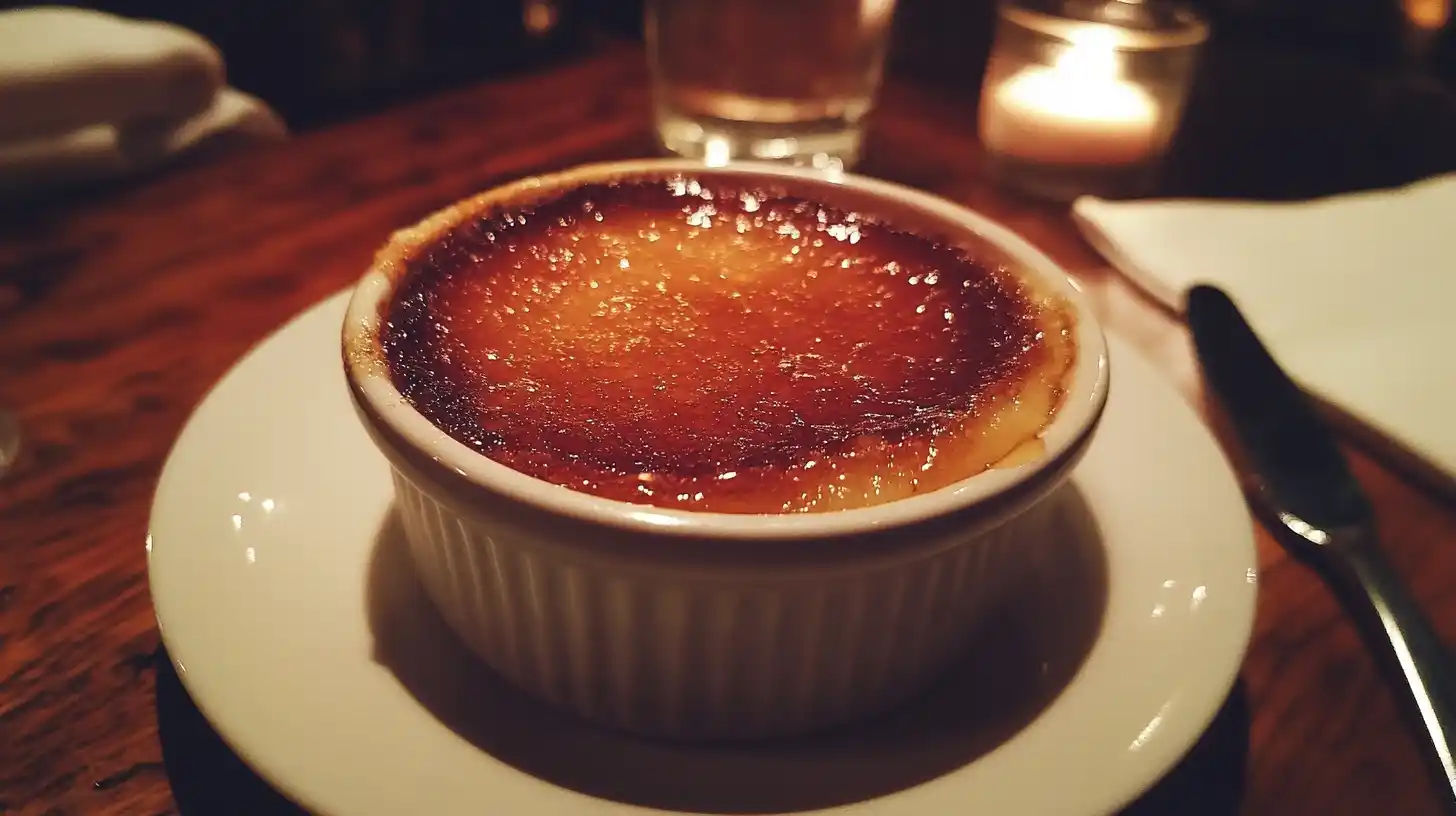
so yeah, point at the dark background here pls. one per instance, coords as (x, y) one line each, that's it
(319, 61)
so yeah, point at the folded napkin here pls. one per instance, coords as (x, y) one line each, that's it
(87, 95)
(1353, 294)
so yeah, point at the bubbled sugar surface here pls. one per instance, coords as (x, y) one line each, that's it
(671, 343)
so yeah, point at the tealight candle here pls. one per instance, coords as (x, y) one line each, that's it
(1076, 111)
(1084, 105)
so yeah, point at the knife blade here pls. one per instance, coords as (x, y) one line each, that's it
(1301, 486)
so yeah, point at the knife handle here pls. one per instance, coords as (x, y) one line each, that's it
(1418, 666)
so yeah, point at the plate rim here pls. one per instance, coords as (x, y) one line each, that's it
(1197, 722)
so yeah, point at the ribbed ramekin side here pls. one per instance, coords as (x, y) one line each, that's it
(746, 654)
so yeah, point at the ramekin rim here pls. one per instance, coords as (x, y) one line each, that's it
(1074, 421)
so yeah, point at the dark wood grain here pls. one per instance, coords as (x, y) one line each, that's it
(116, 315)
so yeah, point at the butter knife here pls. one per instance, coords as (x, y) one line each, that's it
(1300, 486)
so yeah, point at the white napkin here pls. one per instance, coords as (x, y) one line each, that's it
(87, 95)
(1353, 294)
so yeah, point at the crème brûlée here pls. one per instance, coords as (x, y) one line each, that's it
(699, 344)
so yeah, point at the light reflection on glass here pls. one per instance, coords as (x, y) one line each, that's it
(251, 555)
(831, 166)
(237, 522)
(717, 151)
(771, 149)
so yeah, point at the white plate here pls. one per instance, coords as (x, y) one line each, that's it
(294, 621)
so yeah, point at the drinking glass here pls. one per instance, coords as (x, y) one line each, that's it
(769, 80)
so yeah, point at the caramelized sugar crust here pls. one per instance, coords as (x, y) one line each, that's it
(703, 347)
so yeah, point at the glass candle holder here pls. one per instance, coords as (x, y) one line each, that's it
(1083, 96)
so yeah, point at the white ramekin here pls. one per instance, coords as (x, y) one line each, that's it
(703, 625)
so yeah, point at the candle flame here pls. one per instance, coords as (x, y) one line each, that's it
(1085, 81)
(1091, 53)
(1078, 110)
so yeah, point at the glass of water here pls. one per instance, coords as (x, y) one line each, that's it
(768, 80)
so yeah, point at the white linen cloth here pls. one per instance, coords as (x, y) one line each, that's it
(86, 95)
(1353, 294)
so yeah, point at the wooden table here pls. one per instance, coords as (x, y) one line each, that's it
(116, 315)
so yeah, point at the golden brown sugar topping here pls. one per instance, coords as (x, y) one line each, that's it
(724, 349)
